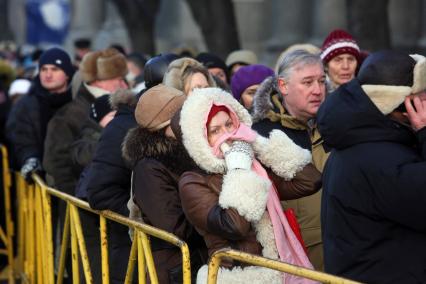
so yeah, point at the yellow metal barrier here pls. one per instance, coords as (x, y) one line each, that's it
(251, 259)
(35, 242)
(6, 235)
(37, 251)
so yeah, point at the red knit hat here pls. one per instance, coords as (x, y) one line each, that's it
(336, 43)
(214, 110)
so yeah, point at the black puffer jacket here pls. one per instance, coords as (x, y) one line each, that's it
(373, 205)
(27, 123)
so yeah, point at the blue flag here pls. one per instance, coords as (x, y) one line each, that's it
(47, 21)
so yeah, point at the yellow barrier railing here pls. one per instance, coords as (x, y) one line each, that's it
(39, 266)
(36, 245)
(251, 259)
(6, 234)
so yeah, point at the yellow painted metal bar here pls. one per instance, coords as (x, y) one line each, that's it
(186, 264)
(141, 259)
(25, 266)
(47, 233)
(139, 227)
(81, 244)
(33, 260)
(64, 246)
(30, 241)
(41, 255)
(148, 257)
(3, 237)
(104, 249)
(132, 260)
(74, 252)
(216, 258)
(8, 214)
(22, 218)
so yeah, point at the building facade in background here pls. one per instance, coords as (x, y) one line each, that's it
(265, 26)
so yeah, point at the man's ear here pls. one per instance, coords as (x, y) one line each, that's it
(282, 86)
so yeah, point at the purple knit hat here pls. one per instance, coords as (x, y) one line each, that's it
(248, 76)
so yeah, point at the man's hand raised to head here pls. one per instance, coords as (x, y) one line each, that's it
(416, 110)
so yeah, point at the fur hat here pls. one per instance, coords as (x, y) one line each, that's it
(157, 106)
(248, 76)
(59, 58)
(336, 43)
(246, 57)
(387, 77)
(173, 76)
(103, 65)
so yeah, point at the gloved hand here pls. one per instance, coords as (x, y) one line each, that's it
(31, 165)
(238, 156)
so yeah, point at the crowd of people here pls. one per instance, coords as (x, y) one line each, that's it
(316, 162)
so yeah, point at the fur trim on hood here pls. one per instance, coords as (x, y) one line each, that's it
(192, 122)
(123, 97)
(387, 98)
(140, 143)
(262, 103)
(285, 160)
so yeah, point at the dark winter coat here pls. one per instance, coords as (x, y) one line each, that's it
(373, 204)
(158, 162)
(63, 130)
(109, 175)
(82, 153)
(108, 181)
(83, 149)
(27, 123)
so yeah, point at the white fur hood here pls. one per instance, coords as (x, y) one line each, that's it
(277, 152)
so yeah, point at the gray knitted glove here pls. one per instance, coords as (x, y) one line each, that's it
(31, 165)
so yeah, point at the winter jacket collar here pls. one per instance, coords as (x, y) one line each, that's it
(140, 143)
(268, 105)
(349, 117)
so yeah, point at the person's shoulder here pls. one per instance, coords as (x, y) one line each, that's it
(149, 165)
(192, 176)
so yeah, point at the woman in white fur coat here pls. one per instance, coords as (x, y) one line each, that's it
(233, 199)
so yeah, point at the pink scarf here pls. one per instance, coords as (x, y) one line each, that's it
(289, 248)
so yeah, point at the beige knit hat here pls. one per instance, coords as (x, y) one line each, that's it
(157, 106)
(103, 65)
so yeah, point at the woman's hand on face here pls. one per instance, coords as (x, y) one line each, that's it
(416, 110)
(239, 156)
